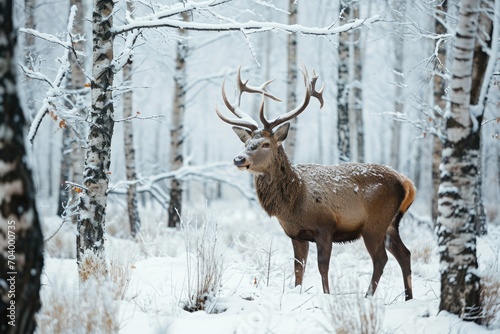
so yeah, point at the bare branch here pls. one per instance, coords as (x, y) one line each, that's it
(55, 91)
(424, 126)
(126, 52)
(215, 172)
(35, 75)
(47, 37)
(185, 6)
(136, 116)
(247, 27)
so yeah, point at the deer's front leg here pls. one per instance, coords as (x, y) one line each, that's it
(300, 251)
(324, 245)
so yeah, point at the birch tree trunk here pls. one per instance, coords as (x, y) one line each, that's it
(128, 134)
(439, 102)
(177, 127)
(80, 104)
(398, 10)
(29, 51)
(291, 84)
(343, 142)
(92, 201)
(356, 95)
(460, 284)
(21, 240)
(72, 152)
(64, 173)
(481, 58)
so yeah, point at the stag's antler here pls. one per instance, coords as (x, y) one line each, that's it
(243, 119)
(246, 121)
(310, 91)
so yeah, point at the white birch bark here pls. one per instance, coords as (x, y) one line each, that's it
(356, 95)
(29, 51)
(481, 63)
(92, 201)
(128, 134)
(460, 283)
(343, 122)
(291, 83)
(21, 240)
(398, 8)
(64, 174)
(177, 128)
(439, 102)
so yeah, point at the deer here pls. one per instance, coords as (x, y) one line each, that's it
(323, 204)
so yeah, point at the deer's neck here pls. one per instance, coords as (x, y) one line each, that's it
(279, 188)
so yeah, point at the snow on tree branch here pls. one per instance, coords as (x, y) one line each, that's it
(126, 52)
(36, 75)
(55, 91)
(47, 37)
(216, 171)
(426, 127)
(246, 27)
(180, 7)
(215, 77)
(68, 43)
(136, 116)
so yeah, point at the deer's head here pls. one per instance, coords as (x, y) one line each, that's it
(263, 143)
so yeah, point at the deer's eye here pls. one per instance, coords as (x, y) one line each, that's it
(265, 145)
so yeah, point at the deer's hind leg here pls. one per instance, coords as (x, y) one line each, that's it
(300, 251)
(401, 253)
(379, 257)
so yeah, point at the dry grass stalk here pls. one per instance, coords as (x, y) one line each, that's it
(490, 296)
(205, 264)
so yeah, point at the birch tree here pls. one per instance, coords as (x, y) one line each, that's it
(481, 57)
(356, 96)
(21, 241)
(177, 127)
(291, 81)
(398, 8)
(350, 126)
(29, 51)
(343, 121)
(460, 283)
(128, 136)
(92, 200)
(439, 99)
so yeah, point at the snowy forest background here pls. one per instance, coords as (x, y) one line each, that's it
(215, 55)
(383, 76)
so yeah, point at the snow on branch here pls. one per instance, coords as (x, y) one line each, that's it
(56, 90)
(157, 20)
(422, 125)
(213, 77)
(178, 8)
(126, 52)
(216, 171)
(68, 42)
(47, 37)
(136, 116)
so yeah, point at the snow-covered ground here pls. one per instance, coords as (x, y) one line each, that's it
(256, 294)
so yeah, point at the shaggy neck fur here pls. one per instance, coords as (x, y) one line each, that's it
(278, 188)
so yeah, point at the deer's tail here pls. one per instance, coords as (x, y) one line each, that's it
(410, 192)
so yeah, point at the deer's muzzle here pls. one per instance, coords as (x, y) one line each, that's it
(241, 162)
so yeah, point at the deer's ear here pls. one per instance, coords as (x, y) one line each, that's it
(280, 134)
(243, 134)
